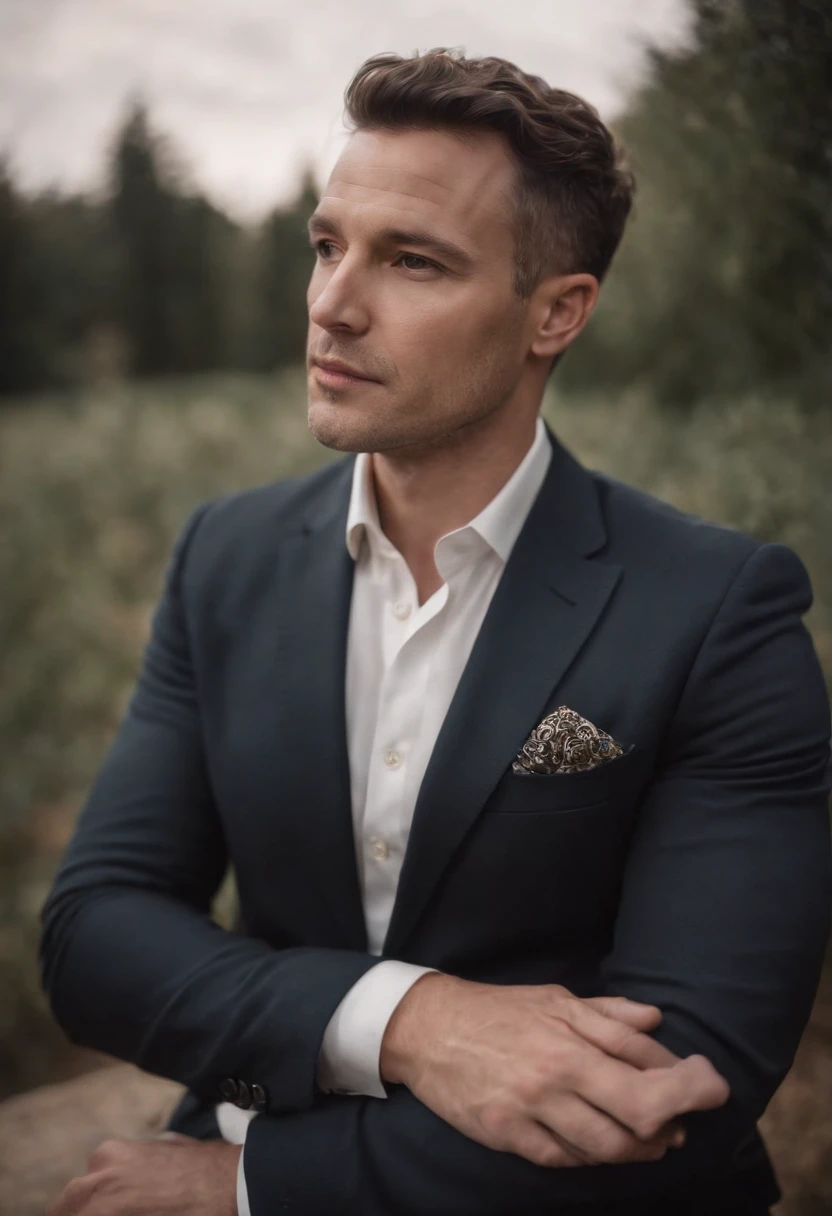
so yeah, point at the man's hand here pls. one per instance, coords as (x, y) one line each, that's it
(533, 1070)
(175, 1174)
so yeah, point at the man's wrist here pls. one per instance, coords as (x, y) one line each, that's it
(348, 1061)
(409, 1026)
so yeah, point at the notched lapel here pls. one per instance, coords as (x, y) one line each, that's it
(545, 607)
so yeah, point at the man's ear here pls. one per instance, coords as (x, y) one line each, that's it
(563, 305)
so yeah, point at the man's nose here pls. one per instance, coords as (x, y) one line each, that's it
(340, 303)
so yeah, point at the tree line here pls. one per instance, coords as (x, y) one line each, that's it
(151, 280)
(723, 283)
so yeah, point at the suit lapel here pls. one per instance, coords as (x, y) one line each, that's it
(545, 607)
(313, 617)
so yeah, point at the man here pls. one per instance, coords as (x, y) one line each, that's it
(523, 773)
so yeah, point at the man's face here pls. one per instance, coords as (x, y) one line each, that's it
(434, 321)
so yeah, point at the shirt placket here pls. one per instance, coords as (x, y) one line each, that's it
(394, 756)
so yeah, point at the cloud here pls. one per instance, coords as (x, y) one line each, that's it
(251, 90)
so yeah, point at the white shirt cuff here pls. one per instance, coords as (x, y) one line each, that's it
(349, 1058)
(233, 1122)
(243, 1208)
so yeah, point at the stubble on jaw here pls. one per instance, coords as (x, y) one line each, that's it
(486, 387)
(389, 436)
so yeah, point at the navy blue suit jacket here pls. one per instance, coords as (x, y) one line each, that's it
(693, 872)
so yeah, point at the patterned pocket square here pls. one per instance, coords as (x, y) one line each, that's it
(564, 742)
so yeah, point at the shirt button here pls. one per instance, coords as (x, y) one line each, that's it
(401, 610)
(379, 848)
(392, 759)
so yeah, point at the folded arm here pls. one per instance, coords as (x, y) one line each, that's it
(131, 960)
(723, 921)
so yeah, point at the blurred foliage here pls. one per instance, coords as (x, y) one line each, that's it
(283, 262)
(56, 265)
(150, 280)
(723, 282)
(174, 259)
(93, 489)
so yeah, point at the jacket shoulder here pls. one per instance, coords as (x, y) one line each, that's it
(644, 530)
(254, 519)
(683, 568)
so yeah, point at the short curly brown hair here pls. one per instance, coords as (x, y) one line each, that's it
(574, 191)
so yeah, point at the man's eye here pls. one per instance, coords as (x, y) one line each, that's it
(324, 247)
(414, 257)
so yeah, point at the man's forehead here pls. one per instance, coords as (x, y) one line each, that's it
(425, 171)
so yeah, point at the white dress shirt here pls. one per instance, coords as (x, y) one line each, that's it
(404, 661)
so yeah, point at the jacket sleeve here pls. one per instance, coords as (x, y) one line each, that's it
(722, 923)
(131, 960)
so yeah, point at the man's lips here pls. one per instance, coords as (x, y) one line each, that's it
(338, 374)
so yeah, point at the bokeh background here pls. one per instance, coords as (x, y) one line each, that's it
(157, 165)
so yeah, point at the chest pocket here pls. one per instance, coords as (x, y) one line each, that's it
(616, 781)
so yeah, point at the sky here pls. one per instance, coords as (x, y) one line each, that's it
(251, 91)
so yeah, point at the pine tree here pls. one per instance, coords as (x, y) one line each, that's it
(22, 350)
(724, 281)
(175, 258)
(283, 265)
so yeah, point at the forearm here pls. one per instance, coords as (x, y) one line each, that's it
(148, 979)
(362, 1157)
(131, 960)
(409, 1160)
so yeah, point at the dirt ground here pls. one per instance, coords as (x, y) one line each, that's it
(797, 1126)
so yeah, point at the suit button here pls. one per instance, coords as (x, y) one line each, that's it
(259, 1098)
(243, 1096)
(229, 1089)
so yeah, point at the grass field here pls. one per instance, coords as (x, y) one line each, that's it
(93, 489)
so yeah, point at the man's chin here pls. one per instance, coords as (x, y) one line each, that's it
(351, 428)
(331, 426)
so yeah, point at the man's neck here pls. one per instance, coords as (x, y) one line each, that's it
(420, 499)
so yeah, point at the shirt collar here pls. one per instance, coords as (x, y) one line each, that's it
(498, 523)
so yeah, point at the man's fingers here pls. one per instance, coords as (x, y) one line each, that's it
(73, 1198)
(597, 1139)
(643, 1052)
(540, 1145)
(632, 1013)
(646, 1101)
(618, 1037)
(713, 1089)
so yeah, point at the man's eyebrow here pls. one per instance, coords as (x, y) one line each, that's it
(400, 236)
